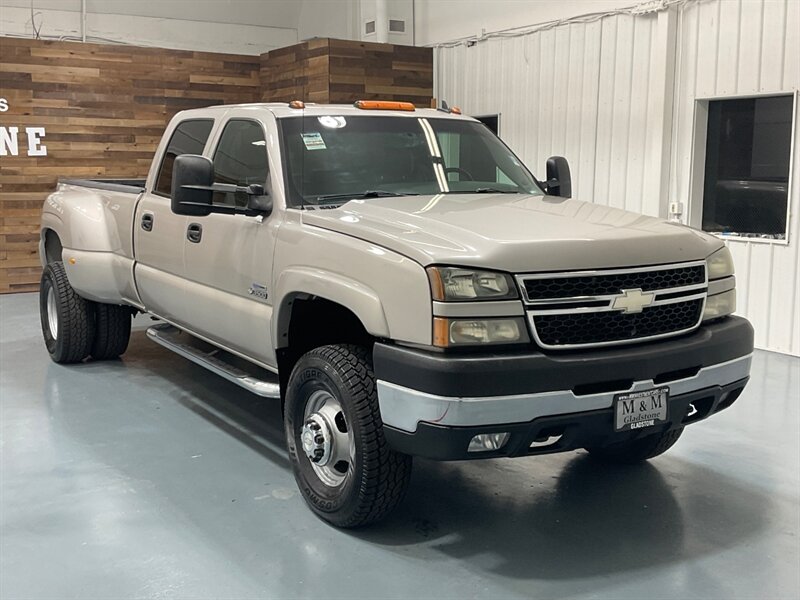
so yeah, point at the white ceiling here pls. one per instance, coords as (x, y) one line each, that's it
(267, 13)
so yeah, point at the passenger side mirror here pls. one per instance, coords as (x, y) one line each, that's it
(559, 182)
(192, 184)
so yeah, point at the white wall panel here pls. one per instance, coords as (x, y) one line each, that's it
(731, 48)
(617, 98)
(580, 90)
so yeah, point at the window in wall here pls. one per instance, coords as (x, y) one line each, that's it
(240, 159)
(189, 137)
(492, 122)
(747, 166)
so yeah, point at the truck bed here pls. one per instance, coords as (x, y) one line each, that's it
(133, 186)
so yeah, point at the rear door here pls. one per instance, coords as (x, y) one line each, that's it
(229, 257)
(159, 234)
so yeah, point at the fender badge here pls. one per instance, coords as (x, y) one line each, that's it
(258, 290)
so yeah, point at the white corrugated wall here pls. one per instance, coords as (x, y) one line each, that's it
(616, 97)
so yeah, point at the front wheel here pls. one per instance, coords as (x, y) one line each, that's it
(343, 466)
(638, 450)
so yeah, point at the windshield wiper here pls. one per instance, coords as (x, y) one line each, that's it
(366, 194)
(490, 190)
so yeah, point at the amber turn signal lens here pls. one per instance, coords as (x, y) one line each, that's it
(441, 332)
(383, 105)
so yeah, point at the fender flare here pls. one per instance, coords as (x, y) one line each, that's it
(361, 300)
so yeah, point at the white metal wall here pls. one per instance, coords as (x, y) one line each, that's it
(738, 48)
(616, 98)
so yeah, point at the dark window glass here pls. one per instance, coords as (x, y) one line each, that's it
(240, 159)
(342, 156)
(747, 166)
(188, 138)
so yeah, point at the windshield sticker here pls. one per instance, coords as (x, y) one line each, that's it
(313, 141)
(332, 122)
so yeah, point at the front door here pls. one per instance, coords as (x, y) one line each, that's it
(229, 257)
(159, 234)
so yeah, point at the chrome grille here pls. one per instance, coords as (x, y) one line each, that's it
(599, 308)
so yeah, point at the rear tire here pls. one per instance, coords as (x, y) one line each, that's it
(113, 331)
(68, 321)
(638, 450)
(345, 471)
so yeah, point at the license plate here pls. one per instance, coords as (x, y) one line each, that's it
(638, 410)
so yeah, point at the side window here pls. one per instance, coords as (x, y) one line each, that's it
(188, 138)
(240, 159)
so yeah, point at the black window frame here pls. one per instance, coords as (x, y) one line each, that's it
(224, 126)
(211, 120)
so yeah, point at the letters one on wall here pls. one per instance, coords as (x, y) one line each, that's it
(9, 138)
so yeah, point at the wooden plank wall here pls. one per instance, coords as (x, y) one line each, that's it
(341, 71)
(104, 108)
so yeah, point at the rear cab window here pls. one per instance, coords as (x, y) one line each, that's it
(189, 137)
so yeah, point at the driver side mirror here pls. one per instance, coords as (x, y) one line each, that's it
(559, 182)
(193, 190)
(192, 181)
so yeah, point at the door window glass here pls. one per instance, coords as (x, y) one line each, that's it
(240, 159)
(188, 138)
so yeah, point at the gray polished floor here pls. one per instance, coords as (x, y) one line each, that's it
(150, 478)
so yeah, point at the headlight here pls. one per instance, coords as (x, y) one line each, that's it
(465, 332)
(455, 283)
(720, 305)
(720, 264)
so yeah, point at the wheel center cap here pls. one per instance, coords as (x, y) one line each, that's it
(316, 440)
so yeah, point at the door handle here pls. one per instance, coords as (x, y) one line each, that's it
(147, 222)
(194, 233)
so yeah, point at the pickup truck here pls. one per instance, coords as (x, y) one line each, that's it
(404, 286)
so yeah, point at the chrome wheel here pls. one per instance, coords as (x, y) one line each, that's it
(326, 438)
(52, 313)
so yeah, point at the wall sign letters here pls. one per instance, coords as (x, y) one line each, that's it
(9, 138)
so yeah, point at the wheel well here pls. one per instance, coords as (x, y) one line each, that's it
(316, 322)
(52, 247)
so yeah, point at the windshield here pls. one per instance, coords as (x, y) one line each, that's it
(332, 159)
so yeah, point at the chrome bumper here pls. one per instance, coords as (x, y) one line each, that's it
(404, 408)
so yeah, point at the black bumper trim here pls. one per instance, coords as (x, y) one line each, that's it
(511, 373)
(577, 430)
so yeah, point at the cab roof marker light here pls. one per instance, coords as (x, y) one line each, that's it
(455, 110)
(297, 104)
(384, 105)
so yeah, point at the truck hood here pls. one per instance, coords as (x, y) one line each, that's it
(514, 233)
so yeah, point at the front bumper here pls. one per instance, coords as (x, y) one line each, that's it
(433, 404)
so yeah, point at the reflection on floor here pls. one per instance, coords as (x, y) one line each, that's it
(149, 477)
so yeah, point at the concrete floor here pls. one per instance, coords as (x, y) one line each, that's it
(149, 477)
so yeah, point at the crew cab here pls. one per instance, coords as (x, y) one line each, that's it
(404, 286)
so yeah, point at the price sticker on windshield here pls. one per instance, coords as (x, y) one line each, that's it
(313, 141)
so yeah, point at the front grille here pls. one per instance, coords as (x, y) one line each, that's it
(585, 309)
(601, 285)
(604, 327)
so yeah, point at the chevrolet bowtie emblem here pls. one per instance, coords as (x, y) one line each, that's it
(633, 301)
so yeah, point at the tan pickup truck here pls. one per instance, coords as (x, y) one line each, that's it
(403, 285)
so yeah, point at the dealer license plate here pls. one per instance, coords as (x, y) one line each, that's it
(638, 410)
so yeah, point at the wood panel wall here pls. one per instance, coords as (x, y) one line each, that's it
(104, 108)
(342, 71)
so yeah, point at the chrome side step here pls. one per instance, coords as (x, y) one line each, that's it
(181, 343)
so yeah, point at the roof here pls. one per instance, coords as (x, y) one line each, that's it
(281, 109)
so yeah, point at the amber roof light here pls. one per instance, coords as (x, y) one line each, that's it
(297, 104)
(383, 105)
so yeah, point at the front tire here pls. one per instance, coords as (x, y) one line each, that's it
(638, 450)
(68, 321)
(345, 471)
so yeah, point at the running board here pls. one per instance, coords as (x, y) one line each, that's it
(180, 342)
